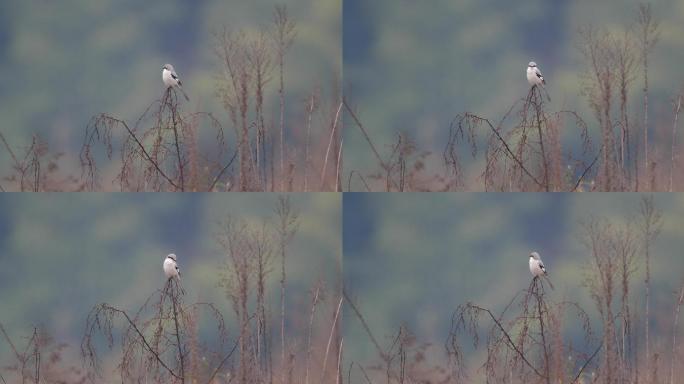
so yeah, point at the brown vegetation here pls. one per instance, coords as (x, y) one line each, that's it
(162, 150)
(168, 340)
(534, 338)
(532, 149)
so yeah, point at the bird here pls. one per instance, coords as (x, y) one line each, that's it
(171, 269)
(170, 79)
(537, 267)
(534, 77)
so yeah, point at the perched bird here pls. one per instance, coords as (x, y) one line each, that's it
(171, 79)
(537, 267)
(171, 267)
(534, 77)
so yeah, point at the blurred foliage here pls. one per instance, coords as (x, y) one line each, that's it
(412, 260)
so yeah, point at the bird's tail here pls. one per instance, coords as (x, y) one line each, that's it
(547, 94)
(184, 94)
(546, 277)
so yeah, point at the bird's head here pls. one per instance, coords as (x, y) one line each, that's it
(534, 255)
(171, 256)
(532, 64)
(168, 67)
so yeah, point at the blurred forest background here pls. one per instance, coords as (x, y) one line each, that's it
(411, 261)
(64, 254)
(66, 63)
(411, 70)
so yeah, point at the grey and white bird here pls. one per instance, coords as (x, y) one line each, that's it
(535, 78)
(171, 269)
(537, 267)
(170, 79)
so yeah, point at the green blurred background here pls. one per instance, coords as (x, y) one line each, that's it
(412, 66)
(411, 259)
(63, 62)
(61, 254)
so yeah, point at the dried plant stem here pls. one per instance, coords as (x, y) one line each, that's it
(310, 332)
(330, 338)
(330, 141)
(539, 293)
(648, 29)
(338, 174)
(586, 363)
(223, 361)
(365, 134)
(309, 114)
(538, 114)
(674, 136)
(339, 362)
(365, 326)
(177, 145)
(174, 299)
(284, 34)
(134, 327)
(508, 338)
(675, 323)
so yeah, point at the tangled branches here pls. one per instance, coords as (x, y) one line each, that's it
(156, 347)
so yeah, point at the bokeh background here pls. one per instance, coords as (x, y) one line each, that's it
(63, 63)
(64, 253)
(412, 66)
(412, 260)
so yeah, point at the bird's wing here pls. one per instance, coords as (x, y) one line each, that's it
(175, 77)
(541, 265)
(538, 73)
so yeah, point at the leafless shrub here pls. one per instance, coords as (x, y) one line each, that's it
(247, 61)
(404, 167)
(250, 256)
(41, 358)
(520, 347)
(35, 169)
(155, 158)
(673, 157)
(527, 156)
(155, 341)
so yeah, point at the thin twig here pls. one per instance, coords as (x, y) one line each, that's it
(365, 133)
(579, 181)
(332, 332)
(508, 149)
(351, 174)
(586, 363)
(508, 338)
(216, 370)
(147, 155)
(365, 326)
(216, 179)
(338, 167)
(674, 136)
(142, 337)
(330, 141)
